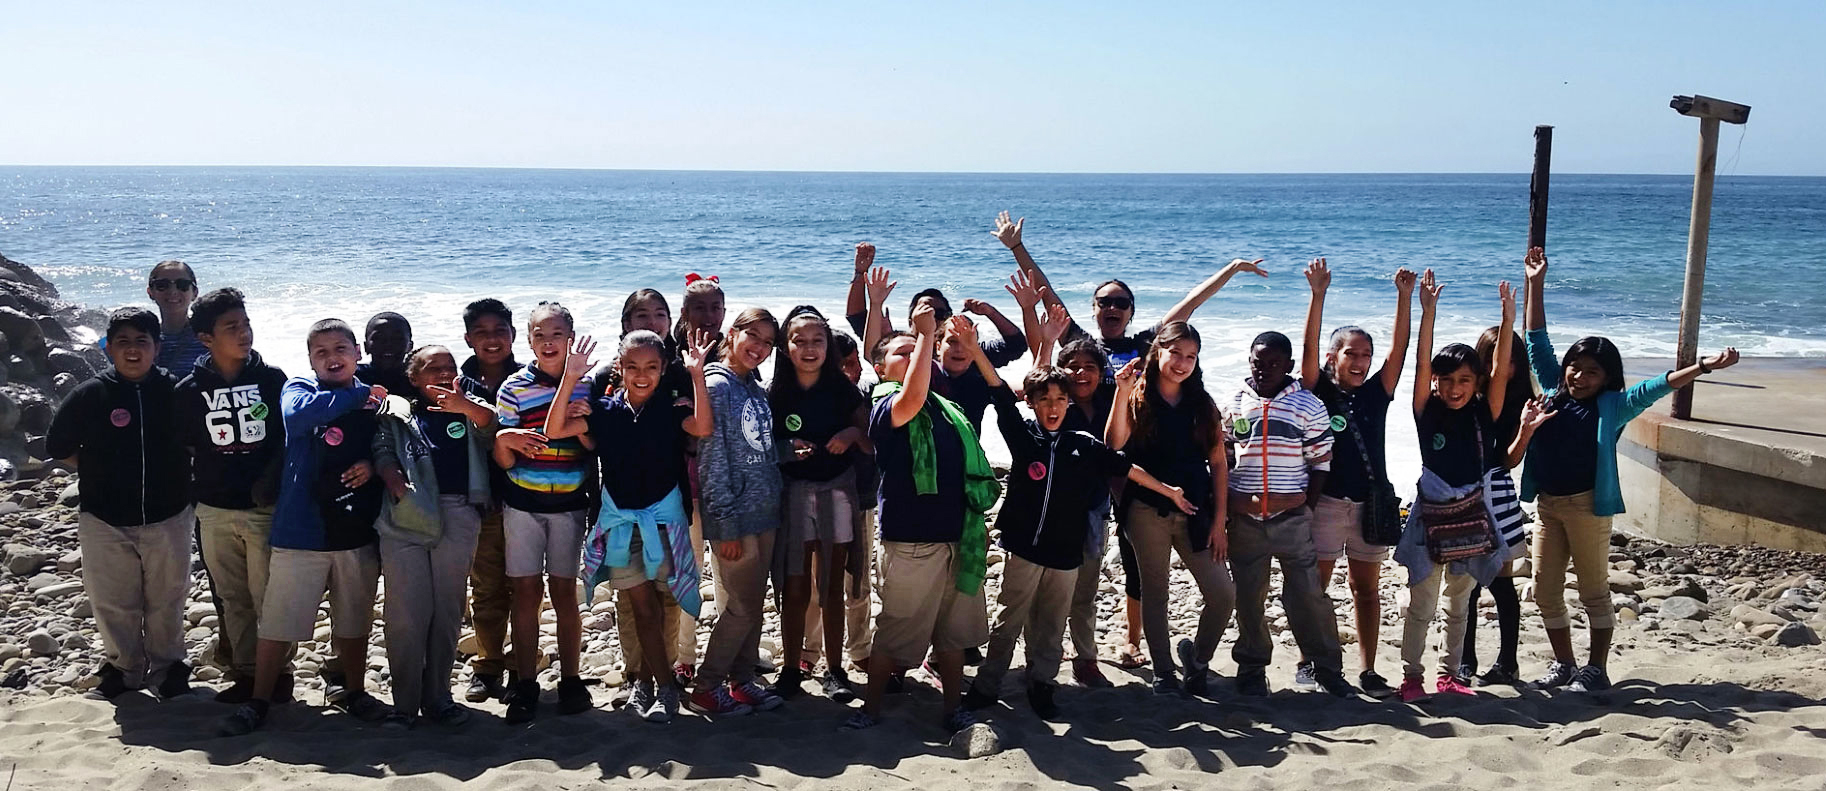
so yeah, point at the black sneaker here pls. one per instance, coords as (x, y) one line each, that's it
(522, 701)
(1467, 673)
(573, 696)
(973, 657)
(1166, 682)
(282, 689)
(1498, 676)
(113, 682)
(1590, 678)
(246, 719)
(897, 684)
(237, 693)
(958, 720)
(975, 699)
(1252, 684)
(1303, 677)
(176, 682)
(1039, 696)
(789, 683)
(362, 706)
(1198, 676)
(1333, 682)
(484, 687)
(1559, 674)
(1374, 685)
(836, 686)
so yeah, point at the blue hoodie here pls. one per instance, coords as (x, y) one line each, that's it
(308, 409)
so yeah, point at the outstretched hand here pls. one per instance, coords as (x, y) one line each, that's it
(1009, 232)
(1429, 290)
(697, 349)
(1178, 496)
(879, 286)
(1535, 413)
(865, 256)
(1404, 281)
(1318, 275)
(1506, 293)
(1534, 264)
(578, 362)
(964, 329)
(1724, 359)
(1022, 288)
(925, 318)
(1244, 265)
(1058, 319)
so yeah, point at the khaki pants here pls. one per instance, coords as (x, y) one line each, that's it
(1157, 537)
(921, 608)
(670, 616)
(492, 601)
(235, 550)
(1570, 531)
(735, 644)
(681, 629)
(423, 612)
(1083, 618)
(138, 580)
(1032, 605)
(1286, 537)
(856, 634)
(1417, 619)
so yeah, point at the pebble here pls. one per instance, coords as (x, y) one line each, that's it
(977, 741)
(1751, 616)
(39, 582)
(71, 562)
(41, 643)
(1795, 635)
(59, 590)
(75, 641)
(10, 651)
(1683, 608)
(207, 673)
(195, 612)
(22, 560)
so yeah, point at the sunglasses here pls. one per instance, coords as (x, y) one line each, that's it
(166, 284)
(1119, 303)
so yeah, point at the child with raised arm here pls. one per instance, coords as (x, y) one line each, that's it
(1283, 440)
(323, 538)
(701, 309)
(1166, 422)
(1512, 522)
(957, 379)
(1571, 446)
(1451, 538)
(545, 508)
(1358, 401)
(488, 330)
(134, 521)
(1057, 476)
(936, 486)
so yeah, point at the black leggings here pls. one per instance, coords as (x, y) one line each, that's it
(1508, 623)
(1131, 575)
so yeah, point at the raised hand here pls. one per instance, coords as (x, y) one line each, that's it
(879, 286)
(865, 256)
(1318, 275)
(1535, 413)
(1009, 232)
(964, 328)
(1126, 378)
(1724, 359)
(1534, 264)
(1245, 265)
(1404, 281)
(1022, 288)
(976, 306)
(445, 399)
(578, 362)
(925, 319)
(697, 349)
(1058, 319)
(1506, 293)
(1429, 290)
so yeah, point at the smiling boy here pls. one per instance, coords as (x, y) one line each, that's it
(488, 328)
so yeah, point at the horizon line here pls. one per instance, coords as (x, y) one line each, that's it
(899, 172)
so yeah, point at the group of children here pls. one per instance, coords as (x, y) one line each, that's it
(477, 491)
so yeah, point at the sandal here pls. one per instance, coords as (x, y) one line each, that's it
(1131, 658)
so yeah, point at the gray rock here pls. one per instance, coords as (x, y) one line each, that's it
(1751, 616)
(71, 562)
(22, 560)
(60, 590)
(41, 581)
(195, 612)
(977, 741)
(1796, 634)
(74, 641)
(42, 643)
(82, 608)
(10, 651)
(1683, 608)
(1624, 582)
(70, 496)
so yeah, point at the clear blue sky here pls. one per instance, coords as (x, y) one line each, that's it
(1005, 86)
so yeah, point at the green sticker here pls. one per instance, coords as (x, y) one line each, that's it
(456, 430)
(1439, 442)
(1338, 423)
(257, 411)
(1241, 425)
(793, 423)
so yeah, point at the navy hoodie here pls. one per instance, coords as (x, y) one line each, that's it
(130, 462)
(1055, 479)
(235, 432)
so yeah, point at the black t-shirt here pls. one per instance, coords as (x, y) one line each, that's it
(394, 379)
(1174, 456)
(969, 390)
(1565, 449)
(1448, 441)
(814, 416)
(1367, 410)
(448, 434)
(1093, 424)
(640, 452)
(348, 514)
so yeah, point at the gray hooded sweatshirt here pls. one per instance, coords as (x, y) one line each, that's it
(738, 468)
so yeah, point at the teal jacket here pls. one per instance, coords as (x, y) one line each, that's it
(1615, 410)
(416, 518)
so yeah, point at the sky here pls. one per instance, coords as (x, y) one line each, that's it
(931, 86)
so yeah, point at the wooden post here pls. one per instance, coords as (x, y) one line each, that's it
(1709, 111)
(1537, 187)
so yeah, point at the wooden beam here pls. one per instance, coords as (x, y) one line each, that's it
(1537, 187)
(1699, 231)
(1707, 107)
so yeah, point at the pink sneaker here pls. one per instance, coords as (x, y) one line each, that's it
(1449, 684)
(1411, 690)
(755, 696)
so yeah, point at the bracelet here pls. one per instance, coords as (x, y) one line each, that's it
(1703, 370)
(1018, 246)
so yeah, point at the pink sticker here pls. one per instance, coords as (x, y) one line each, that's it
(1036, 471)
(120, 418)
(333, 437)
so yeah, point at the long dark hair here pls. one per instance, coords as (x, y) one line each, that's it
(1521, 382)
(1604, 352)
(1192, 394)
(744, 320)
(638, 298)
(786, 376)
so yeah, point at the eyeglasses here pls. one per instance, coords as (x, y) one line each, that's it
(1119, 303)
(166, 284)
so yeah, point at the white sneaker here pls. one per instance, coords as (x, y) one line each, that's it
(640, 699)
(665, 704)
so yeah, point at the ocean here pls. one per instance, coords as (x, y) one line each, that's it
(309, 243)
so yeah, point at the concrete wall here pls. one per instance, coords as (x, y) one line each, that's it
(1699, 482)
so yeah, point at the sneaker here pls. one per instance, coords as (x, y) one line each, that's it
(176, 682)
(1089, 675)
(1303, 677)
(1411, 690)
(973, 657)
(522, 701)
(484, 687)
(1333, 682)
(1166, 682)
(664, 705)
(790, 683)
(1449, 684)
(1039, 696)
(1498, 676)
(683, 674)
(836, 686)
(977, 699)
(362, 706)
(897, 684)
(449, 714)
(396, 722)
(959, 720)
(755, 696)
(860, 721)
(1374, 685)
(573, 696)
(246, 719)
(1253, 684)
(641, 699)
(237, 693)
(719, 702)
(807, 667)
(1559, 674)
(1466, 672)
(113, 682)
(1198, 676)
(282, 689)
(1590, 678)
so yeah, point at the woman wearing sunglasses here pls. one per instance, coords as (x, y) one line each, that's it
(172, 286)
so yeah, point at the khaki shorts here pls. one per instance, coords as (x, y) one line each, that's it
(543, 544)
(296, 582)
(1337, 531)
(634, 574)
(921, 606)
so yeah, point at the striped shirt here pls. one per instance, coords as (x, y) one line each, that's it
(1278, 441)
(553, 480)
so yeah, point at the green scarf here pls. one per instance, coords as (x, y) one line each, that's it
(980, 487)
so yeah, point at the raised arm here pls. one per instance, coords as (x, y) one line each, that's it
(559, 424)
(1691, 373)
(1496, 392)
(918, 383)
(1026, 295)
(1534, 277)
(858, 299)
(1121, 421)
(1318, 278)
(966, 332)
(1423, 356)
(1196, 297)
(697, 350)
(1398, 337)
(1009, 234)
(879, 287)
(1051, 330)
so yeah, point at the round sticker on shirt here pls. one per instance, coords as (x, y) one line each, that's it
(257, 411)
(1241, 425)
(120, 418)
(1439, 442)
(456, 430)
(793, 423)
(1036, 471)
(1339, 422)
(333, 437)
